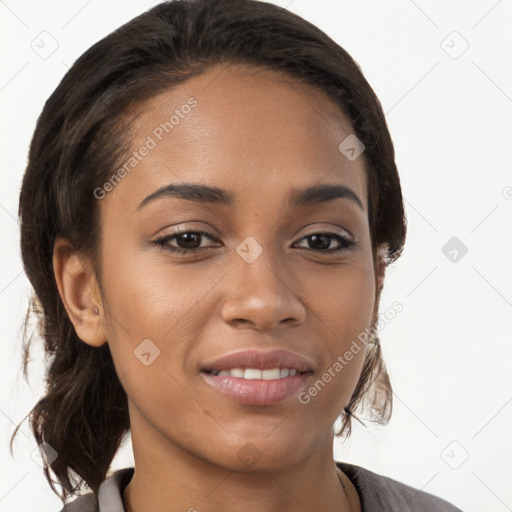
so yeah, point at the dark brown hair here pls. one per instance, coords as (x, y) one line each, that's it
(83, 134)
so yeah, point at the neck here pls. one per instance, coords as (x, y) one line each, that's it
(168, 478)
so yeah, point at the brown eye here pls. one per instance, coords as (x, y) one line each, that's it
(189, 241)
(319, 242)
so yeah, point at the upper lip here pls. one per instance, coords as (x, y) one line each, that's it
(277, 358)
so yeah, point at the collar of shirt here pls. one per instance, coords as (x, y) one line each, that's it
(376, 493)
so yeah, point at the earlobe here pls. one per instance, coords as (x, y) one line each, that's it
(79, 293)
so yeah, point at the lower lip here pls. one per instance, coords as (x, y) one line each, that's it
(257, 391)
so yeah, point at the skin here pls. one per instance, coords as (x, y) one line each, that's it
(258, 134)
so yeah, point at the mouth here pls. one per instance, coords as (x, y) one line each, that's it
(258, 378)
(257, 373)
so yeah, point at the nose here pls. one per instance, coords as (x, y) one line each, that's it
(261, 296)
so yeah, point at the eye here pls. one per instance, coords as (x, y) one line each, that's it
(322, 241)
(188, 239)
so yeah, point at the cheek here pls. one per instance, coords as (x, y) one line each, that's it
(343, 299)
(152, 319)
(345, 314)
(344, 310)
(146, 296)
(329, 392)
(154, 313)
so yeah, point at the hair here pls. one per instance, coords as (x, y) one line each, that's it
(82, 135)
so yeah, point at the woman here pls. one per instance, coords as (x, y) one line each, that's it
(209, 207)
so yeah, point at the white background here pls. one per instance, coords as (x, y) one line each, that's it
(449, 350)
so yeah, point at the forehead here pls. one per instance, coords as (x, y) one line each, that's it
(239, 127)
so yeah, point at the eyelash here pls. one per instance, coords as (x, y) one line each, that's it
(163, 242)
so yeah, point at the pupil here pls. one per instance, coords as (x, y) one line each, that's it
(320, 237)
(188, 239)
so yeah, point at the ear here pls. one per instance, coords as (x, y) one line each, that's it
(380, 266)
(79, 291)
(381, 262)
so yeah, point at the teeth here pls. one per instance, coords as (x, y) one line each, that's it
(256, 374)
(252, 373)
(274, 373)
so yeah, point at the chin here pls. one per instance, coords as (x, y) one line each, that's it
(260, 453)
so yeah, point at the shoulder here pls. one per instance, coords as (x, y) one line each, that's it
(84, 503)
(379, 493)
(109, 498)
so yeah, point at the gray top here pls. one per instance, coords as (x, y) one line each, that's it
(377, 493)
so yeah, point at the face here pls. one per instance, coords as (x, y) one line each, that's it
(187, 281)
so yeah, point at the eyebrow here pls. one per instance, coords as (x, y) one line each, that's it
(315, 194)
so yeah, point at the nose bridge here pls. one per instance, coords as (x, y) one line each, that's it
(259, 293)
